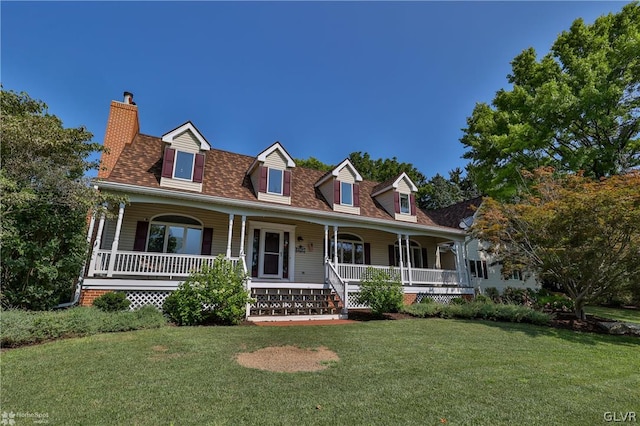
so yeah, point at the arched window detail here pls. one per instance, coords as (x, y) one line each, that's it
(175, 234)
(418, 255)
(351, 249)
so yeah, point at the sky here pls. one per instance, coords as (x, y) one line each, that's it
(394, 79)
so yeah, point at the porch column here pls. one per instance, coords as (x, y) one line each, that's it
(335, 250)
(230, 235)
(409, 278)
(92, 224)
(326, 243)
(96, 247)
(438, 265)
(116, 241)
(400, 259)
(461, 264)
(242, 234)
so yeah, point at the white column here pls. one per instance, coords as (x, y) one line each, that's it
(242, 235)
(92, 224)
(116, 241)
(461, 264)
(326, 243)
(438, 265)
(230, 235)
(400, 259)
(406, 237)
(335, 246)
(96, 247)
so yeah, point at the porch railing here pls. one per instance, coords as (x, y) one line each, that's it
(419, 276)
(338, 284)
(134, 263)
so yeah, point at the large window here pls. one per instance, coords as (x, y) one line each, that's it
(274, 183)
(350, 249)
(183, 168)
(405, 207)
(346, 193)
(478, 269)
(415, 251)
(175, 234)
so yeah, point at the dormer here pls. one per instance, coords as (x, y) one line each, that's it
(270, 174)
(397, 196)
(341, 188)
(184, 158)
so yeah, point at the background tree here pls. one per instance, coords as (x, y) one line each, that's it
(441, 192)
(576, 232)
(578, 108)
(313, 163)
(44, 202)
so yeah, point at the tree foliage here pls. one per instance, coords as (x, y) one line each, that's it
(579, 233)
(577, 108)
(442, 192)
(44, 203)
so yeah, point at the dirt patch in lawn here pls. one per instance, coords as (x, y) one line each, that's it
(288, 359)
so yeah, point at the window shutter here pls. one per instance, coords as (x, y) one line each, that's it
(367, 253)
(198, 169)
(167, 165)
(392, 256)
(396, 201)
(425, 263)
(336, 191)
(263, 178)
(207, 239)
(412, 203)
(287, 183)
(356, 195)
(140, 241)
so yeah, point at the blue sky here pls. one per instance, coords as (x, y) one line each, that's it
(323, 78)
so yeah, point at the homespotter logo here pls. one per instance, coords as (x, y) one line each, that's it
(10, 418)
(620, 417)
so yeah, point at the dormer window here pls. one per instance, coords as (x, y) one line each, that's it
(183, 167)
(346, 193)
(274, 181)
(405, 205)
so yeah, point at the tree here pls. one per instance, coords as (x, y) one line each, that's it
(441, 192)
(578, 108)
(44, 202)
(579, 233)
(313, 163)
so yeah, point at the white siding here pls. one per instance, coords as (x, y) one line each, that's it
(186, 142)
(274, 198)
(327, 191)
(386, 200)
(309, 266)
(180, 184)
(346, 175)
(346, 209)
(403, 187)
(276, 160)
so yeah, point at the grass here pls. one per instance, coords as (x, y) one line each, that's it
(626, 315)
(390, 372)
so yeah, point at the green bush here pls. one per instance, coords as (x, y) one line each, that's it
(480, 310)
(380, 292)
(18, 327)
(214, 295)
(458, 301)
(482, 298)
(427, 299)
(492, 293)
(555, 302)
(112, 302)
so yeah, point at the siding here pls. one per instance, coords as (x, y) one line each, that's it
(403, 187)
(346, 175)
(276, 160)
(327, 191)
(180, 184)
(187, 142)
(309, 266)
(386, 200)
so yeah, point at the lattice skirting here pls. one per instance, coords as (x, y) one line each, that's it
(147, 297)
(444, 299)
(353, 301)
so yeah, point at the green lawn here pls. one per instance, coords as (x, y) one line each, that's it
(390, 373)
(627, 315)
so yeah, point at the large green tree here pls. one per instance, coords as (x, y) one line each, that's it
(44, 202)
(578, 233)
(442, 192)
(577, 108)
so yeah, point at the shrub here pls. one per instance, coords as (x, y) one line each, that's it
(555, 302)
(19, 327)
(214, 295)
(427, 299)
(112, 302)
(458, 301)
(480, 310)
(492, 293)
(380, 292)
(481, 298)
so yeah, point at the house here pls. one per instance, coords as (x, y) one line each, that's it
(304, 237)
(483, 271)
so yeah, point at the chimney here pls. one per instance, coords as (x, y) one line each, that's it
(122, 127)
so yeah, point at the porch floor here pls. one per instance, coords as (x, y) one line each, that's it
(305, 322)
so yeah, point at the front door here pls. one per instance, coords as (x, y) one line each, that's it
(272, 254)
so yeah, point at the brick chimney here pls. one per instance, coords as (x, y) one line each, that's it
(122, 127)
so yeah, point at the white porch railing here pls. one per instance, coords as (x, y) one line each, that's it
(132, 263)
(419, 276)
(338, 284)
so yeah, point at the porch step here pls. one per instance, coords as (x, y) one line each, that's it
(293, 301)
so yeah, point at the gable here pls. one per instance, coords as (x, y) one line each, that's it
(179, 136)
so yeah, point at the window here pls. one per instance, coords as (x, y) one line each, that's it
(274, 184)
(478, 269)
(405, 207)
(175, 234)
(350, 249)
(516, 275)
(183, 168)
(346, 193)
(415, 251)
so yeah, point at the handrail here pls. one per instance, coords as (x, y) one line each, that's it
(339, 285)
